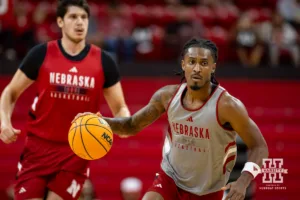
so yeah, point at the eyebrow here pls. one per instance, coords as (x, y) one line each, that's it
(78, 14)
(191, 56)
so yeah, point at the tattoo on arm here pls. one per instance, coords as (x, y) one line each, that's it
(141, 119)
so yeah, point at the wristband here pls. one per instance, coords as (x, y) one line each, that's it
(252, 168)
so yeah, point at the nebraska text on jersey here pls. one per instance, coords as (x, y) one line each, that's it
(72, 80)
(192, 131)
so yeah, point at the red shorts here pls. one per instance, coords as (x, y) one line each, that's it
(166, 187)
(46, 165)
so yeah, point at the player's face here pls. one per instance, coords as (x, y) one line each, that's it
(198, 65)
(74, 25)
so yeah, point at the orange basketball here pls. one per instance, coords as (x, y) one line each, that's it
(90, 137)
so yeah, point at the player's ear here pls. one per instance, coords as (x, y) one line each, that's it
(59, 22)
(182, 65)
(214, 68)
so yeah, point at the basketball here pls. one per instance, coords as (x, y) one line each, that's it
(90, 137)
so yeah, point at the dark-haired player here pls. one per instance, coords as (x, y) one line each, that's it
(204, 120)
(70, 76)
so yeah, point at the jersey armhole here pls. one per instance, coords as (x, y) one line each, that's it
(217, 113)
(173, 98)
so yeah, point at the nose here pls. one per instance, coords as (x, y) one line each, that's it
(197, 68)
(79, 21)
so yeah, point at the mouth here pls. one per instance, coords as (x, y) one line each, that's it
(197, 77)
(79, 30)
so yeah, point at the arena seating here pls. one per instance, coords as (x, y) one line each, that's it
(217, 22)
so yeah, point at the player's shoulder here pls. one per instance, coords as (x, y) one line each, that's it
(169, 89)
(229, 103)
(167, 92)
(39, 48)
(36, 54)
(106, 54)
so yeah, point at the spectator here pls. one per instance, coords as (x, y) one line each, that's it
(18, 35)
(290, 10)
(117, 29)
(24, 32)
(45, 30)
(248, 44)
(94, 35)
(181, 30)
(280, 37)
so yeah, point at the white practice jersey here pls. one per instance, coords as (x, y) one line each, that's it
(198, 153)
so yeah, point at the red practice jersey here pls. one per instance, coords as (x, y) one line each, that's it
(66, 85)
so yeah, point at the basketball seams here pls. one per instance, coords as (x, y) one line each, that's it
(86, 123)
(74, 136)
(92, 125)
(95, 138)
(83, 141)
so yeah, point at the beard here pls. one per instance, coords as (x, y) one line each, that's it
(195, 87)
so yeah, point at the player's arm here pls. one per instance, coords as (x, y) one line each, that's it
(116, 101)
(8, 99)
(144, 117)
(112, 91)
(233, 111)
(23, 78)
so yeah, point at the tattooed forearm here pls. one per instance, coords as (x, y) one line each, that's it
(134, 124)
(144, 117)
(121, 126)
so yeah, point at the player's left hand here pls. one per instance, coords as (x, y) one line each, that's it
(237, 191)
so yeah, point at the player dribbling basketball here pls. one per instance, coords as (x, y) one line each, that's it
(204, 120)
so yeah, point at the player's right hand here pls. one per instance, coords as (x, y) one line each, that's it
(85, 113)
(9, 134)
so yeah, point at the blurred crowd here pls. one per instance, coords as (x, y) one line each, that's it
(252, 33)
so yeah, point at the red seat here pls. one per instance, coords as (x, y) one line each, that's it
(264, 14)
(245, 4)
(224, 17)
(220, 37)
(205, 14)
(102, 11)
(140, 15)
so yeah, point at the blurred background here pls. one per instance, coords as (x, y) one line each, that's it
(259, 60)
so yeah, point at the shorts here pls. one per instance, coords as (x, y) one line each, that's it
(166, 187)
(46, 165)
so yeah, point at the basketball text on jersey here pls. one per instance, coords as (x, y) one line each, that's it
(70, 86)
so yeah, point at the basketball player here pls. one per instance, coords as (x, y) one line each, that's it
(204, 119)
(70, 76)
